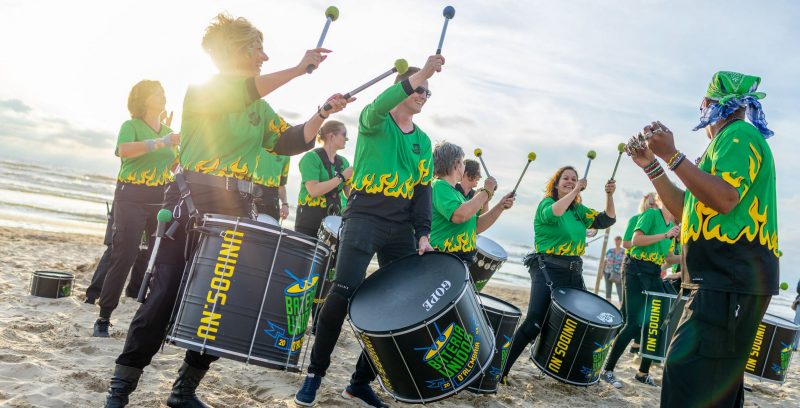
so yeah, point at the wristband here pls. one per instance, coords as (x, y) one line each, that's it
(672, 159)
(677, 162)
(319, 113)
(150, 145)
(167, 140)
(341, 176)
(488, 193)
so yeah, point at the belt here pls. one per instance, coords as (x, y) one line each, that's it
(224, 183)
(563, 263)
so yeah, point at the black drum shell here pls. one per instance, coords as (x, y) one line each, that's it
(274, 322)
(584, 344)
(51, 284)
(504, 323)
(331, 240)
(656, 337)
(486, 263)
(771, 353)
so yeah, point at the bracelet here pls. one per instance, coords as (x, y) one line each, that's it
(319, 113)
(150, 145)
(167, 140)
(341, 176)
(488, 193)
(677, 162)
(650, 166)
(655, 173)
(672, 159)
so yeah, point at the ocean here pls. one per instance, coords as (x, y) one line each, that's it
(67, 200)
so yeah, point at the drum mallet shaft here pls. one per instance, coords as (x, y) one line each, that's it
(449, 12)
(591, 155)
(331, 14)
(531, 157)
(164, 216)
(400, 66)
(479, 155)
(621, 149)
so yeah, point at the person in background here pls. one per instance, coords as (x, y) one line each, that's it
(468, 183)
(613, 269)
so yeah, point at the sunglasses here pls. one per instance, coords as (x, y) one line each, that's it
(422, 90)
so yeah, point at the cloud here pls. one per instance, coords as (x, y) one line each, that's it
(15, 105)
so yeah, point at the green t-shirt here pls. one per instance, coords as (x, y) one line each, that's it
(151, 169)
(312, 169)
(272, 169)
(446, 235)
(225, 127)
(651, 222)
(628, 235)
(388, 161)
(737, 251)
(564, 235)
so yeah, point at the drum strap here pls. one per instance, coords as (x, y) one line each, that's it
(186, 194)
(331, 197)
(671, 314)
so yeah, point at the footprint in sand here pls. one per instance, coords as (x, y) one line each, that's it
(91, 382)
(89, 350)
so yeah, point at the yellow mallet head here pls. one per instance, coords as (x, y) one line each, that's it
(591, 155)
(332, 12)
(401, 66)
(621, 147)
(531, 156)
(478, 152)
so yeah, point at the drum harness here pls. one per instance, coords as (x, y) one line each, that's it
(575, 266)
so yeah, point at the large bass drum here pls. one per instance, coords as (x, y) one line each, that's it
(248, 292)
(420, 323)
(503, 317)
(489, 258)
(576, 336)
(772, 349)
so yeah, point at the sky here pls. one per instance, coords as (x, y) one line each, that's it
(555, 78)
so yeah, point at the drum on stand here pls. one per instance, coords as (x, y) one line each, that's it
(772, 349)
(656, 337)
(489, 258)
(328, 234)
(576, 336)
(503, 317)
(419, 321)
(248, 292)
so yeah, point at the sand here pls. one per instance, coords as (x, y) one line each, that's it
(49, 359)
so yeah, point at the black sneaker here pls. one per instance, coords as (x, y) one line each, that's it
(645, 379)
(307, 396)
(101, 328)
(609, 377)
(634, 349)
(363, 395)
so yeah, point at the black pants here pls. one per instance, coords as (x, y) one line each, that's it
(308, 219)
(706, 359)
(137, 273)
(149, 324)
(544, 277)
(639, 276)
(269, 203)
(135, 209)
(360, 239)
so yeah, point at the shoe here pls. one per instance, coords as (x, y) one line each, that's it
(634, 349)
(123, 383)
(183, 390)
(609, 377)
(363, 395)
(645, 379)
(307, 396)
(505, 381)
(101, 327)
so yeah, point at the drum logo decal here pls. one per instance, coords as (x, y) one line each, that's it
(598, 358)
(606, 317)
(436, 295)
(786, 356)
(376, 362)
(652, 325)
(562, 345)
(453, 354)
(298, 299)
(756, 349)
(220, 283)
(495, 372)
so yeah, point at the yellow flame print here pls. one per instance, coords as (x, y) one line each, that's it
(567, 249)
(309, 201)
(390, 184)
(150, 178)
(460, 243)
(232, 170)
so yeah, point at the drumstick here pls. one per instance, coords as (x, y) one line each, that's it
(531, 157)
(449, 12)
(621, 149)
(400, 66)
(164, 216)
(479, 155)
(591, 155)
(331, 14)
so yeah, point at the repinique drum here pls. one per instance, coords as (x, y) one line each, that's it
(51, 284)
(503, 317)
(488, 260)
(328, 234)
(419, 321)
(576, 336)
(772, 349)
(248, 292)
(656, 337)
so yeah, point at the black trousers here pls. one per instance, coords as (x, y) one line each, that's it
(639, 276)
(269, 203)
(544, 277)
(706, 360)
(135, 209)
(308, 219)
(137, 273)
(360, 239)
(150, 323)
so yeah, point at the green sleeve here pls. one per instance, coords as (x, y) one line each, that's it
(545, 211)
(310, 167)
(445, 200)
(587, 215)
(127, 134)
(275, 128)
(736, 161)
(375, 113)
(645, 222)
(630, 228)
(345, 163)
(285, 171)
(427, 175)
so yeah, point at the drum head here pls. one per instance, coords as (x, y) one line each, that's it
(779, 321)
(499, 306)
(407, 292)
(491, 248)
(587, 306)
(332, 223)
(266, 219)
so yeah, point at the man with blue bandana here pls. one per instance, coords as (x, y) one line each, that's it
(729, 233)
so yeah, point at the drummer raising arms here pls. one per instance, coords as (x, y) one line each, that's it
(455, 222)
(323, 175)
(388, 213)
(559, 229)
(729, 230)
(652, 244)
(225, 126)
(272, 173)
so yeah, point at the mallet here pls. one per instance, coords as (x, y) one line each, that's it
(449, 12)
(400, 66)
(164, 216)
(331, 14)
(591, 155)
(621, 149)
(531, 157)
(479, 155)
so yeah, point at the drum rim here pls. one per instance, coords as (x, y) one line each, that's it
(662, 294)
(536, 363)
(582, 320)
(55, 275)
(761, 379)
(320, 245)
(495, 311)
(652, 357)
(175, 340)
(793, 326)
(495, 242)
(324, 226)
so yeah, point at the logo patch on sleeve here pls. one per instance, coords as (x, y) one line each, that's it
(415, 148)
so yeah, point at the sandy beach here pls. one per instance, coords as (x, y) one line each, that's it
(49, 359)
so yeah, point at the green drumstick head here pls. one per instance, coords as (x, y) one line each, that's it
(784, 286)
(164, 215)
(621, 147)
(591, 155)
(401, 66)
(332, 12)
(531, 156)
(478, 152)
(449, 12)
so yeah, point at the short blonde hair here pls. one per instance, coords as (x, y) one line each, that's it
(330, 126)
(645, 203)
(137, 98)
(226, 36)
